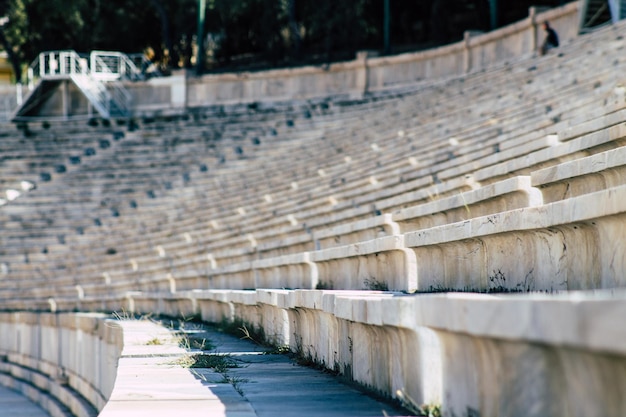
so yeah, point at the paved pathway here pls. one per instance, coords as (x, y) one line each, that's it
(239, 380)
(14, 404)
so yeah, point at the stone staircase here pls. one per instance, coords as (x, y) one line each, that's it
(98, 83)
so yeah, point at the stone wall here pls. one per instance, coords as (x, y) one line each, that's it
(365, 74)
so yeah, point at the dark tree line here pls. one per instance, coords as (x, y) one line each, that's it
(241, 33)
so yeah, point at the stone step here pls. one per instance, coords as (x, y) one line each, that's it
(14, 404)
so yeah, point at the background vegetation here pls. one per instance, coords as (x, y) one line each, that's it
(246, 34)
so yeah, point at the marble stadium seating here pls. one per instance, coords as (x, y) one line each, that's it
(461, 241)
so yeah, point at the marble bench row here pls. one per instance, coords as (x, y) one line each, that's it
(588, 140)
(547, 153)
(585, 175)
(603, 168)
(565, 245)
(506, 195)
(432, 346)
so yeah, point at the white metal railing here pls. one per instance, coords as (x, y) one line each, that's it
(102, 65)
(101, 71)
(98, 76)
(107, 66)
(121, 97)
(56, 63)
(95, 91)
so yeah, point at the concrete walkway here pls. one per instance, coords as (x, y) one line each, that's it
(220, 375)
(14, 404)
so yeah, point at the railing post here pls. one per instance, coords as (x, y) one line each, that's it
(61, 63)
(92, 63)
(65, 99)
(121, 64)
(84, 66)
(18, 91)
(42, 64)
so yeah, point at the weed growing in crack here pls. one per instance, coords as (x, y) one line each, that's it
(497, 283)
(195, 343)
(279, 350)
(424, 410)
(235, 381)
(247, 334)
(323, 285)
(154, 342)
(219, 363)
(124, 315)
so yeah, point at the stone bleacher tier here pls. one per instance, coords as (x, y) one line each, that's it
(459, 240)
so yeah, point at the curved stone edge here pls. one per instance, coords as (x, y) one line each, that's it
(65, 362)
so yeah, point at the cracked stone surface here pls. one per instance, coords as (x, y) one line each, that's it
(254, 383)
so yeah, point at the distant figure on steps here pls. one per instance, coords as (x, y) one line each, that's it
(552, 39)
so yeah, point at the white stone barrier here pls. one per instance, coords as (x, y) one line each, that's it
(287, 271)
(382, 263)
(566, 245)
(582, 176)
(358, 231)
(506, 195)
(65, 361)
